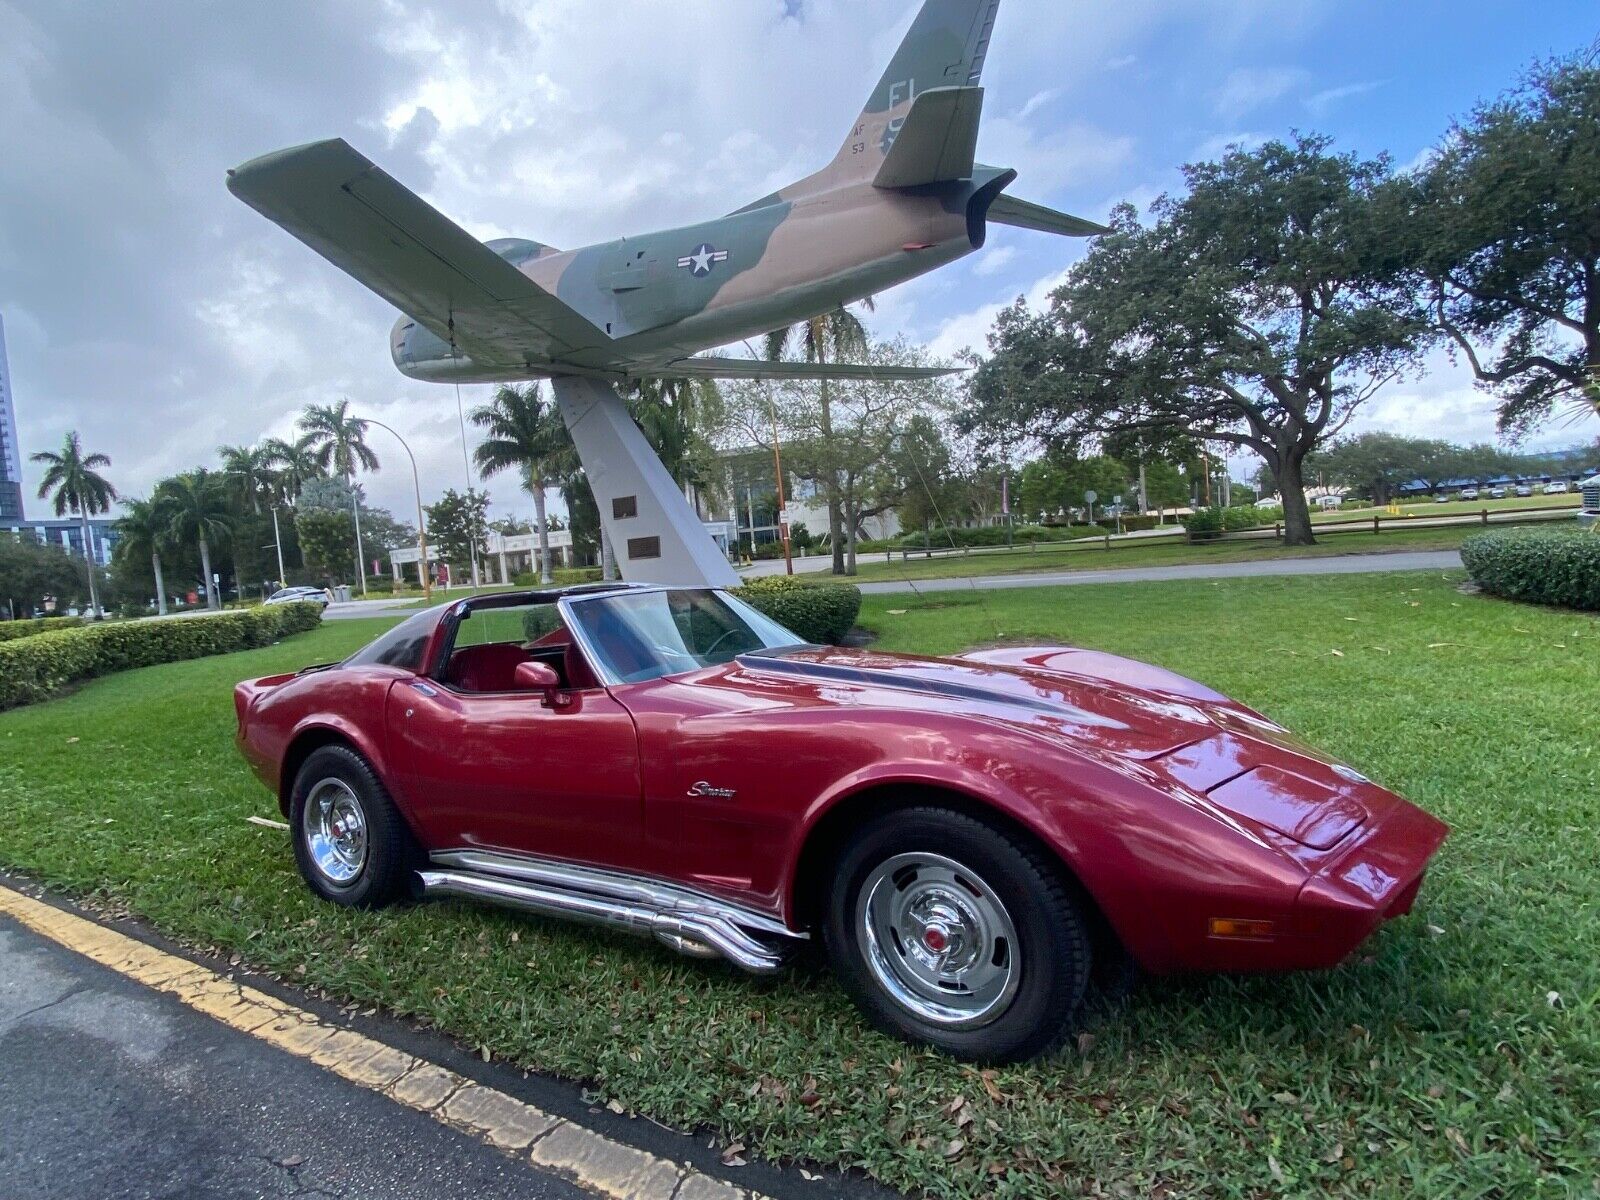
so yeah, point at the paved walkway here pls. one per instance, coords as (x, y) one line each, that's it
(1346, 564)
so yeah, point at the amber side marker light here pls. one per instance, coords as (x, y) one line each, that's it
(1233, 927)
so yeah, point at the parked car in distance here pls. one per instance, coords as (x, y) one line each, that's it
(1524, 490)
(1497, 493)
(1469, 493)
(1442, 498)
(1559, 488)
(967, 837)
(301, 595)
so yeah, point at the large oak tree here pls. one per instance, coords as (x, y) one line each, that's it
(1261, 309)
(1508, 240)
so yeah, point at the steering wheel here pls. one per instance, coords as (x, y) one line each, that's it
(712, 649)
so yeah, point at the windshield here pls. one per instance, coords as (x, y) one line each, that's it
(645, 635)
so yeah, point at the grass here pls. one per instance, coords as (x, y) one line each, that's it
(1434, 1064)
(1093, 556)
(1457, 508)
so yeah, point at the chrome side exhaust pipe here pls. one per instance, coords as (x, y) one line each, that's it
(700, 934)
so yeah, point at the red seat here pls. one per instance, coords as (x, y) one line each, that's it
(578, 675)
(487, 668)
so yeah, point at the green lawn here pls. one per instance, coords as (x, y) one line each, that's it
(1093, 556)
(1435, 1064)
(1456, 508)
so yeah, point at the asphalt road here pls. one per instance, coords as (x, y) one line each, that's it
(1346, 564)
(114, 1091)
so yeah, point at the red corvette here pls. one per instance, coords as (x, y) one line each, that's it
(966, 835)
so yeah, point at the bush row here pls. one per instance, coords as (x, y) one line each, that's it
(1540, 566)
(985, 536)
(33, 668)
(1222, 520)
(564, 577)
(822, 613)
(10, 631)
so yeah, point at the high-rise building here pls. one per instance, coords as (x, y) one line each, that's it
(10, 451)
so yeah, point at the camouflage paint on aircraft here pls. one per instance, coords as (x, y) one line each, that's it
(902, 197)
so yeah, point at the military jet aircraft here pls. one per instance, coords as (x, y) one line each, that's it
(902, 197)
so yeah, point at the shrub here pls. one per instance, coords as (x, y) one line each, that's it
(33, 668)
(563, 577)
(822, 613)
(1211, 522)
(995, 535)
(11, 630)
(1540, 566)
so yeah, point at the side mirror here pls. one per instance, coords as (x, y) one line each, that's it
(540, 677)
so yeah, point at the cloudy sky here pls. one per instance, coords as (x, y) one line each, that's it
(148, 309)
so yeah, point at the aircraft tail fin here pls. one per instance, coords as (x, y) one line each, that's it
(944, 50)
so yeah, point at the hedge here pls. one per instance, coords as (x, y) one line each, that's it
(33, 668)
(988, 536)
(10, 631)
(1211, 521)
(1539, 566)
(822, 613)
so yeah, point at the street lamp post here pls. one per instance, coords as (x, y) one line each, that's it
(422, 518)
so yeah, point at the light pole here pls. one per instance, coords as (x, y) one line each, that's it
(277, 541)
(422, 518)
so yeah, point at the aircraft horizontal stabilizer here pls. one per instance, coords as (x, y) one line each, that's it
(756, 368)
(1008, 210)
(364, 222)
(938, 140)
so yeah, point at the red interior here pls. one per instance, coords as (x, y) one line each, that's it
(493, 668)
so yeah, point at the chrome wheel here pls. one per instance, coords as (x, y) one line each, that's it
(335, 829)
(938, 940)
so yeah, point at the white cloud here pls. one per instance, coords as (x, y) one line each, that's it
(970, 330)
(993, 261)
(1037, 101)
(1325, 102)
(1250, 88)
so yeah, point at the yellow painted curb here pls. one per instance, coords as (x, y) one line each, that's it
(597, 1163)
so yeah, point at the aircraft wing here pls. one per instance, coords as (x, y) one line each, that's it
(385, 236)
(758, 368)
(1008, 210)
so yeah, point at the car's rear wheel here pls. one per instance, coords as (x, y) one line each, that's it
(947, 930)
(350, 842)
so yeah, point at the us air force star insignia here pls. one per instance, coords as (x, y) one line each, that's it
(703, 259)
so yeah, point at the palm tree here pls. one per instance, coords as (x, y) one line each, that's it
(339, 441)
(143, 529)
(72, 479)
(295, 463)
(249, 473)
(197, 509)
(673, 415)
(831, 337)
(526, 433)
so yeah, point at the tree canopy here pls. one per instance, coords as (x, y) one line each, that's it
(1507, 239)
(1261, 309)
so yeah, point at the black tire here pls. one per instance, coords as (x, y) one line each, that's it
(389, 852)
(1053, 957)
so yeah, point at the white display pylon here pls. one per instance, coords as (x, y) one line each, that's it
(656, 535)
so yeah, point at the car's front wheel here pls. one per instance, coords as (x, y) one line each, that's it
(949, 931)
(350, 842)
